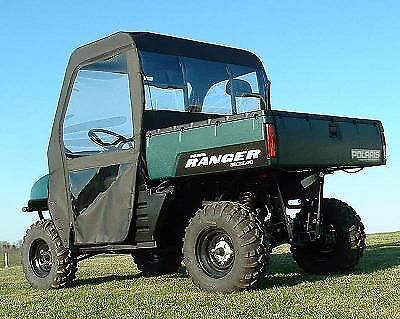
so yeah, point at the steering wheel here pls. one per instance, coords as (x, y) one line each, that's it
(117, 143)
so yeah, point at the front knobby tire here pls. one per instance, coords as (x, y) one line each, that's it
(45, 261)
(224, 248)
(341, 245)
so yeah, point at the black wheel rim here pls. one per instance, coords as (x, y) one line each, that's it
(215, 252)
(40, 258)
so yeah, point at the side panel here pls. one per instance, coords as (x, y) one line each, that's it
(106, 219)
(168, 151)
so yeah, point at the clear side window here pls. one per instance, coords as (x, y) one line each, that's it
(163, 82)
(248, 104)
(208, 80)
(163, 99)
(99, 116)
(217, 101)
(179, 83)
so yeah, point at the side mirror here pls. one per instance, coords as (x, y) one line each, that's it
(239, 88)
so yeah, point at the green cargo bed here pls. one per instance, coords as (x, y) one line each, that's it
(302, 141)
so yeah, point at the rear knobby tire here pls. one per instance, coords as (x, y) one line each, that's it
(45, 261)
(158, 261)
(224, 248)
(348, 246)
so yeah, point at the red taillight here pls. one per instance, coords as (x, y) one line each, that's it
(271, 140)
(383, 146)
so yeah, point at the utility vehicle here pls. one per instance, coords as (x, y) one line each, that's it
(168, 149)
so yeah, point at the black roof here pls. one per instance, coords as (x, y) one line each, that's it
(159, 43)
(154, 42)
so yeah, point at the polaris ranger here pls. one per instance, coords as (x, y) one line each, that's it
(168, 149)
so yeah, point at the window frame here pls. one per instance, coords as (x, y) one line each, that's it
(137, 105)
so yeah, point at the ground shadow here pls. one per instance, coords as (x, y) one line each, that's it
(283, 271)
(181, 273)
(104, 279)
(379, 257)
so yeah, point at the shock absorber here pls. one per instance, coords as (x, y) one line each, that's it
(313, 191)
(248, 199)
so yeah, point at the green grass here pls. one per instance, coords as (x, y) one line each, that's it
(111, 287)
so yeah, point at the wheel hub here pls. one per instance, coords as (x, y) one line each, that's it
(222, 252)
(44, 258)
(40, 258)
(215, 252)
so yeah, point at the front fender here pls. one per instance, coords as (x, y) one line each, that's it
(40, 189)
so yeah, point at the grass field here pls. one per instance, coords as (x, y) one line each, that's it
(111, 287)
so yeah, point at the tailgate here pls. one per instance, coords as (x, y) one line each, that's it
(312, 140)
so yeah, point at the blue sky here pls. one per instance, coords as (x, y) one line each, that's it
(336, 57)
